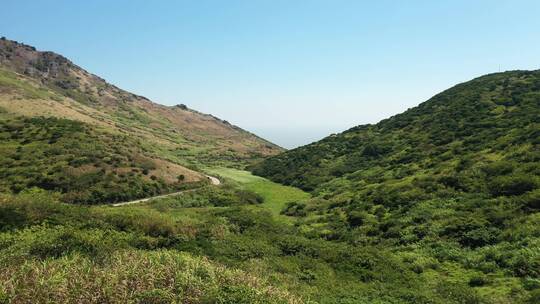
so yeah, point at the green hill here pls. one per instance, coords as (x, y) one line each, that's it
(64, 129)
(474, 125)
(452, 186)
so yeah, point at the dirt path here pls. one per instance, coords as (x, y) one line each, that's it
(215, 181)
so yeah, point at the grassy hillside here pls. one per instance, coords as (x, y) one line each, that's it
(34, 83)
(436, 205)
(491, 119)
(86, 165)
(451, 186)
(66, 130)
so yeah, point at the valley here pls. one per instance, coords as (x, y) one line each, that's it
(108, 197)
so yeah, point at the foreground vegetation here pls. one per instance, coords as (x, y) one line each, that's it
(226, 248)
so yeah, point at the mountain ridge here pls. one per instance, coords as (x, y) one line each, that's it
(65, 78)
(96, 143)
(404, 121)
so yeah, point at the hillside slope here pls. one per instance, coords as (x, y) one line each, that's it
(451, 138)
(66, 130)
(44, 83)
(451, 187)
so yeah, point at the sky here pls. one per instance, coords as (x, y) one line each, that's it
(290, 71)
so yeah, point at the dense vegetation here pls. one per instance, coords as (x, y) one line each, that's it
(84, 164)
(54, 252)
(492, 120)
(225, 249)
(451, 186)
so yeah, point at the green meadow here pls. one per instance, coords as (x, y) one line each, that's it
(276, 196)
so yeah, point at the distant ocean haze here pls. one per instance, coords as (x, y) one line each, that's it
(293, 137)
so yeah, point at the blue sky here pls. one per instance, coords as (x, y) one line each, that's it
(290, 71)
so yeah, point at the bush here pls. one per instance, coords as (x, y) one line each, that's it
(249, 197)
(499, 168)
(511, 185)
(294, 209)
(4, 298)
(532, 199)
(534, 297)
(356, 218)
(457, 293)
(477, 281)
(531, 284)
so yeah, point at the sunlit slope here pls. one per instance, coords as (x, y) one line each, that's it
(65, 130)
(450, 187)
(34, 83)
(457, 141)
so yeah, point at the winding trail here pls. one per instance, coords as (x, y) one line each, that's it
(214, 180)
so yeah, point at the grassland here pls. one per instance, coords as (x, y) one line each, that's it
(9, 81)
(276, 196)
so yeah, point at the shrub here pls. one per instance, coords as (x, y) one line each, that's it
(457, 293)
(532, 199)
(155, 296)
(356, 218)
(534, 297)
(511, 185)
(249, 197)
(531, 284)
(294, 209)
(477, 281)
(499, 168)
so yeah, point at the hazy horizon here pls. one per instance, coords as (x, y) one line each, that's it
(290, 72)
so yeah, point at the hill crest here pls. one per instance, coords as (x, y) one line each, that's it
(66, 130)
(73, 93)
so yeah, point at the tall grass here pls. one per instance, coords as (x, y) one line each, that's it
(133, 276)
